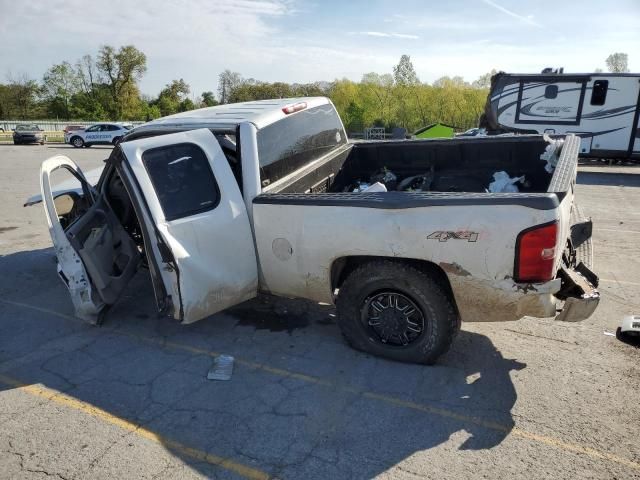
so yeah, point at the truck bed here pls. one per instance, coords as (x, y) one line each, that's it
(452, 165)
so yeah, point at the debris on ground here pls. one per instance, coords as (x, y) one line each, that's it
(222, 368)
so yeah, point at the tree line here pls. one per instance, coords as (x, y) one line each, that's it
(100, 87)
(106, 87)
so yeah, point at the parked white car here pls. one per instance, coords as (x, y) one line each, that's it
(98, 134)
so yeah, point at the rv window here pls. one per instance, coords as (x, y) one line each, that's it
(599, 93)
(551, 91)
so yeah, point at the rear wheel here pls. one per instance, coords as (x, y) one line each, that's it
(77, 142)
(397, 311)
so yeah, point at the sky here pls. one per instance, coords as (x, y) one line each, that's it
(305, 41)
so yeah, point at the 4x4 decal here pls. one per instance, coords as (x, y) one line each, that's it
(442, 236)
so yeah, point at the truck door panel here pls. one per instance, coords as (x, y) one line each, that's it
(198, 213)
(96, 257)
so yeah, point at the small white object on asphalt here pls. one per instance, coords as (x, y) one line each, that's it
(222, 368)
(610, 334)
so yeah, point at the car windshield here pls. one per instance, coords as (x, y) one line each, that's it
(27, 127)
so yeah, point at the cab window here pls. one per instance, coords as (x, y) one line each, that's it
(296, 140)
(182, 178)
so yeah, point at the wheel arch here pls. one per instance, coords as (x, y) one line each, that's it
(343, 266)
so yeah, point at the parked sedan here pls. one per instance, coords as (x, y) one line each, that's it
(28, 133)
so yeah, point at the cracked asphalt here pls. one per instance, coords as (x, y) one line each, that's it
(130, 399)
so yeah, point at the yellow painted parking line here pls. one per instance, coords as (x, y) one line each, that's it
(59, 398)
(390, 400)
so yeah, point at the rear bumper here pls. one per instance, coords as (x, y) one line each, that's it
(579, 292)
(571, 297)
(29, 138)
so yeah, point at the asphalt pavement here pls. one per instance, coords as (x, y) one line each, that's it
(130, 399)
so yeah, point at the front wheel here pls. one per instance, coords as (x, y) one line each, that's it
(395, 310)
(77, 142)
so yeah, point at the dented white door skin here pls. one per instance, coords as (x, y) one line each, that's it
(213, 250)
(70, 268)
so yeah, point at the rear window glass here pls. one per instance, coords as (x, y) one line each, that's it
(298, 139)
(182, 178)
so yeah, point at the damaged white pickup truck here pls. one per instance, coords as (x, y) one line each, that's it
(269, 196)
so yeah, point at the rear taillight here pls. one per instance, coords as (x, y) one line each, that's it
(535, 253)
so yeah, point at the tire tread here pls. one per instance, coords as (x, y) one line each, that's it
(446, 323)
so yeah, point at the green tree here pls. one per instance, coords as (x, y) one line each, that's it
(122, 69)
(186, 105)
(208, 99)
(172, 97)
(23, 93)
(377, 96)
(228, 81)
(484, 81)
(354, 117)
(618, 62)
(59, 84)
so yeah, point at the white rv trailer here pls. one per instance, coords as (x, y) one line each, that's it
(601, 108)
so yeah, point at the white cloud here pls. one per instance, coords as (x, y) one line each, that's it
(295, 41)
(388, 35)
(188, 39)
